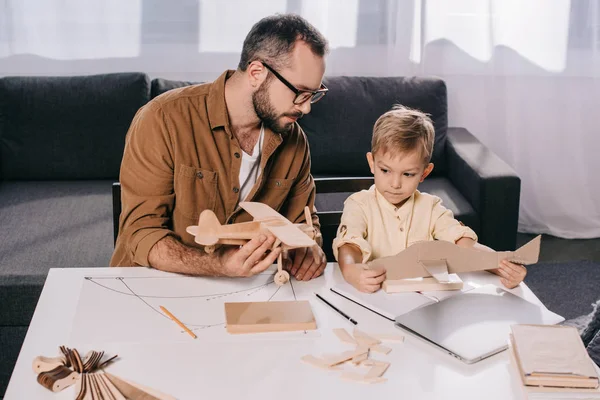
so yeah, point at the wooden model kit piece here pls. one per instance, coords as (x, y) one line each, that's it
(269, 316)
(209, 232)
(365, 344)
(69, 369)
(438, 259)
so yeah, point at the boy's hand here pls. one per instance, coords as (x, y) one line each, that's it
(363, 278)
(511, 274)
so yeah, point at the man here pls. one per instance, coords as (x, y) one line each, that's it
(211, 146)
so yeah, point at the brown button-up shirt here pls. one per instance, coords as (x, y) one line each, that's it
(181, 158)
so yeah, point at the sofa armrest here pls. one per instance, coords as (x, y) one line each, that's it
(489, 184)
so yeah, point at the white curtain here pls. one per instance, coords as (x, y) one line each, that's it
(523, 75)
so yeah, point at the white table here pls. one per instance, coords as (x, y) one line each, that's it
(254, 367)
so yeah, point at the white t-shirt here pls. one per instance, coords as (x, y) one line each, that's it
(250, 167)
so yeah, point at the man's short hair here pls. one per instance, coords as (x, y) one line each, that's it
(272, 40)
(402, 130)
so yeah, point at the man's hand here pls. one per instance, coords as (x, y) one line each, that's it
(363, 278)
(306, 263)
(511, 274)
(250, 259)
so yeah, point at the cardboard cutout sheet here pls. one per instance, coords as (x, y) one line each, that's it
(439, 258)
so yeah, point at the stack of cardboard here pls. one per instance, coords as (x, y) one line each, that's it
(552, 363)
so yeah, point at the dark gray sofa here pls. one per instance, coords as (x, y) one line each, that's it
(61, 143)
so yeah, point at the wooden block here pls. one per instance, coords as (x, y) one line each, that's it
(372, 362)
(344, 336)
(272, 316)
(381, 349)
(389, 337)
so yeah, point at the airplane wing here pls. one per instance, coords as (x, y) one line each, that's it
(291, 236)
(260, 211)
(278, 225)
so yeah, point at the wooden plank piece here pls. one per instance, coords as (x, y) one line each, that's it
(112, 388)
(363, 339)
(272, 316)
(317, 362)
(376, 371)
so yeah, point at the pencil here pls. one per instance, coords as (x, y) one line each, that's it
(343, 314)
(178, 322)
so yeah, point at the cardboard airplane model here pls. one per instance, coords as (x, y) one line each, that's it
(432, 265)
(209, 232)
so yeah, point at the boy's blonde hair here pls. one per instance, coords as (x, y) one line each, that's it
(404, 129)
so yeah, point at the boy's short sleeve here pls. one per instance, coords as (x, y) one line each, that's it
(353, 230)
(446, 227)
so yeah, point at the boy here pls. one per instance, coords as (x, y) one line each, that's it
(393, 214)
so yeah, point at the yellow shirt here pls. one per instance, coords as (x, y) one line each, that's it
(381, 229)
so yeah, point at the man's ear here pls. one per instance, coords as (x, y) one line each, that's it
(371, 162)
(256, 73)
(427, 171)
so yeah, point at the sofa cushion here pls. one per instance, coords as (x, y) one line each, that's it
(55, 128)
(160, 86)
(49, 225)
(340, 127)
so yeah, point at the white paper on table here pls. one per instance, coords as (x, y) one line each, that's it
(122, 309)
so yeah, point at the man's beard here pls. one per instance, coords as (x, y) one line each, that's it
(267, 114)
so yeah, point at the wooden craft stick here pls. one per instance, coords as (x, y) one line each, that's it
(364, 339)
(178, 322)
(381, 349)
(344, 336)
(80, 387)
(112, 388)
(356, 377)
(346, 355)
(377, 370)
(360, 358)
(97, 390)
(317, 362)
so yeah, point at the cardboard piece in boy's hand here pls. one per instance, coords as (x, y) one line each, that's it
(428, 259)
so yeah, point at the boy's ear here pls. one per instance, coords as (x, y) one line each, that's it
(371, 162)
(427, 171)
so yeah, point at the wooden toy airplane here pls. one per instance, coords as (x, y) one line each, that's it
(435, 260)
(209, 232)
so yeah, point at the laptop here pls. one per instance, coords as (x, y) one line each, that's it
(474, 325)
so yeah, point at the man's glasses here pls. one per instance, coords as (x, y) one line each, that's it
(301, 95)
